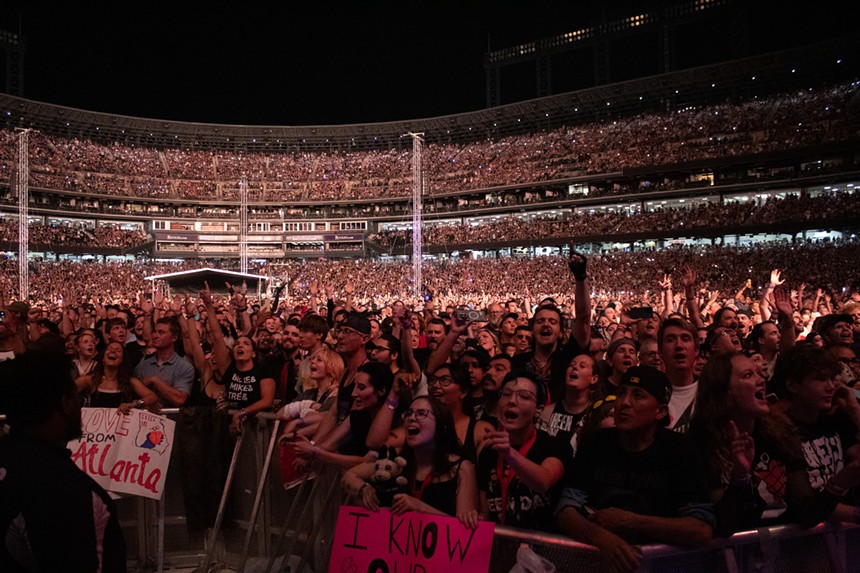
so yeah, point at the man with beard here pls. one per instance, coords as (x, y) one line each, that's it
(679, 346)
(280, 360)
(53, 517)
(497, 369)
(765, 339)
(385, 349)
(745, 324)
(548, 361)
(727, 318)
(434, 332)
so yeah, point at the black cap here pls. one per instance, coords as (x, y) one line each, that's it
(649, 379)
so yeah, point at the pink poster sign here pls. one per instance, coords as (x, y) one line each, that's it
(379, 542)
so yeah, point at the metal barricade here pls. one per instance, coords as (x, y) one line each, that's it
(294, 529)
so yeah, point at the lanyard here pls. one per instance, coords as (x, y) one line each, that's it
(417, 492)
(506, 474)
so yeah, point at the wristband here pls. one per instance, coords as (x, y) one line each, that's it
(391, 403)
(243, 413)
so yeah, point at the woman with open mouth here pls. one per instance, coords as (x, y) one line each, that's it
(566, 419)
(111, 384)
(346, 444)
(438, 481)
(758, 474)
(520, 466)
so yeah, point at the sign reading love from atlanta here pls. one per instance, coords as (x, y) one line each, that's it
(125, 454)
(380, 542)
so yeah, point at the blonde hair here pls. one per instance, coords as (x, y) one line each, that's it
(334, 365)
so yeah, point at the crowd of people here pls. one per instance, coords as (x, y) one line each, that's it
(755, 126)
(607, 223)
(673, 408)
(621, 398)
(74, 234)
(621, 275)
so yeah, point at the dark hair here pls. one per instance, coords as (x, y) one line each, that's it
(380, 375)
(681, 323)
(173, 325)
(115, 322)
(719, 314)
(541, 389)
(801, 361)
(552, 308)
(502, 356)
(394, 343)
(48, 325)
(32, 387)
(757, 333)
(314, 323)
(444, 324)
(710, 424)
(123, 376)
(445, 441)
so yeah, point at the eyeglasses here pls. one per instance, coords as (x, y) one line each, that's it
(443, 381)
(345, 330)
(418, 413)
(380, 349)
(521, 395)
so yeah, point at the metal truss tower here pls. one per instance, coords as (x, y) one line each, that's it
(243, 225)
(417, 208)
(22, 191)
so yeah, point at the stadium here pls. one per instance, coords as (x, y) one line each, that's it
(731, 165)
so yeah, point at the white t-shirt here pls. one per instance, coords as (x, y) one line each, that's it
(682, 397)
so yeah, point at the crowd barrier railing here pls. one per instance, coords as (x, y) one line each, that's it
(294, 528)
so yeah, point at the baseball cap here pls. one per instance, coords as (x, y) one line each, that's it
(649, 379)
(357, 322)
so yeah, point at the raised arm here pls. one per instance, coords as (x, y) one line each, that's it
(582, 322)
(220, 352)
(688, 280)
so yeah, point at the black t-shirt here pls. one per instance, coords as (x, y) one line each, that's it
(564, 426)
(824, 445)
(243, 388)
(525, 508)
(667, 479)
(53, 515)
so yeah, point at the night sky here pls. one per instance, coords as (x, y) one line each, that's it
(284, 63)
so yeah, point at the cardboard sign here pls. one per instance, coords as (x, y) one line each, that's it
(380, 542)
(125, 454)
